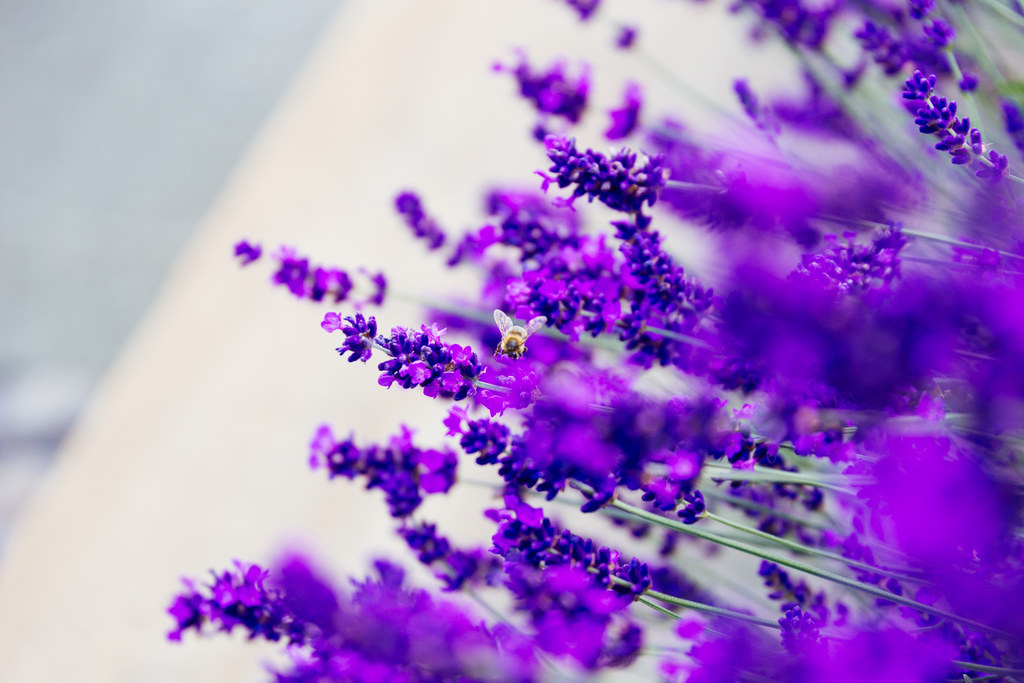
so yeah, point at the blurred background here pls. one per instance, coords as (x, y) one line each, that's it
(119, 122)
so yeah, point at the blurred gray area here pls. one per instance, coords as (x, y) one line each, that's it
(119, 122)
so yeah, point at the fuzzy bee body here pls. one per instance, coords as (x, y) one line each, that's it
(513, 337)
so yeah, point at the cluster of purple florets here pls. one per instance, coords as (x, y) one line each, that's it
(626, 118)
(379, 633)
(423, 226)
(403, 472)
(456, 568)
(851, 267)
(235, 598)
(307, 281)
(937, 116)
(554, 92)
(416, 359)
(615, 181)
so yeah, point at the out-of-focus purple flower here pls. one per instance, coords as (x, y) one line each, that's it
(457, 567)
(811, 342)
(919, 9)
(313, 282)
(625, 119)
(852, 268)
(1013, 119)
(941, 33)
(795, 23)
(380, 284)
(235, 598)
(918, 478)
(626, 37)
(816, 114)
(383, 631)
(573, 616)
(524, 221)
(890, 655)
(553, 92)
(751, 105)
(799, 631)
(969, 82)
(405, 473)
(423, 226)
(248, 252)
(567, 438)
(886, 49)
(584, 7)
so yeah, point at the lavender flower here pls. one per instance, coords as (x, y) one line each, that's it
(919, 9)
(405, 473)
(940, 32)
(553, 92)
(458, 568)
(584, 7)
(964, 144)
(380, 632)
(614, 181)
(424, 227)
(626, 37)
(1013, 120)
(422, 359)
(625, 119)
(247, 253)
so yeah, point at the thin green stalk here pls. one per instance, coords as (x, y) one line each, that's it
(985, 669)
(691, 187)
(770, 477)
(698, 606)
(1005, 11)
(792, 564)
(972, 106)
(923, 235)
(963, 19)
(751, 505)
(689, 604)
(807, 550)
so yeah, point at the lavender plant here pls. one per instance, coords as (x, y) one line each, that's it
(811, 471)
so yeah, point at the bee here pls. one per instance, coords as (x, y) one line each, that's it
(513, 337)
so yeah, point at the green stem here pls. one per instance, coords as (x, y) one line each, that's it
(1005, 11)
(972, 106)
(691, 187)
(916, 233)
(793, 564)
(751, 505)
(670, 77)
(771, 477)
(963, 19)
(985, 669)
(799, 547)
(698, 606)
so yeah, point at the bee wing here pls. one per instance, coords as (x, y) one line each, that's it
(535, 324)
(504, 322)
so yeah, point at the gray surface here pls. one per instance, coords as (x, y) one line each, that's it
(119, 121)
